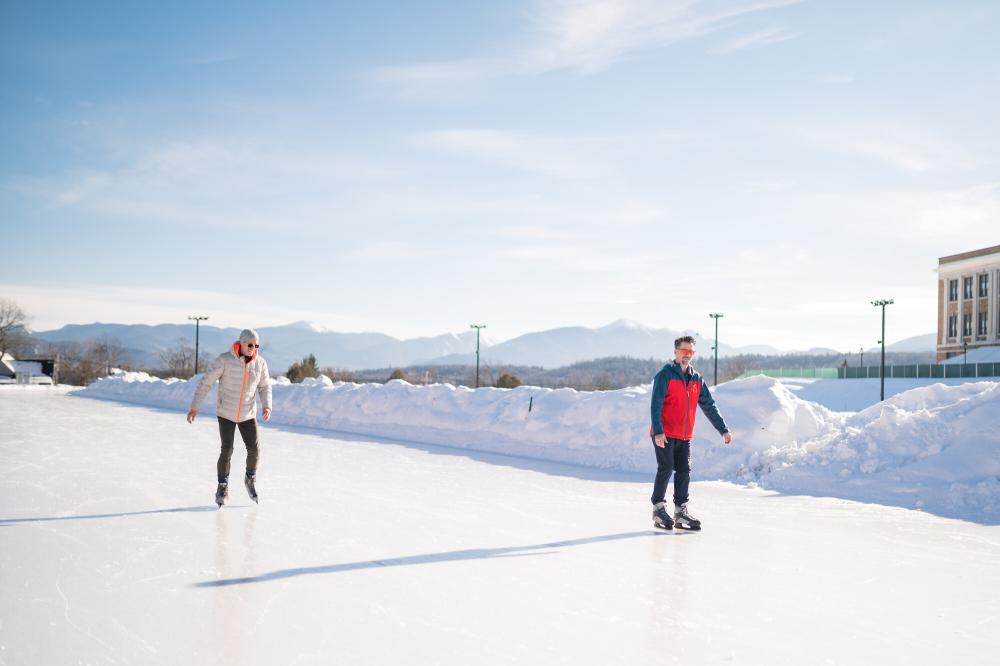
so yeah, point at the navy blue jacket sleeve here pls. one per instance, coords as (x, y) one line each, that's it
(707, 404)
(656, 403)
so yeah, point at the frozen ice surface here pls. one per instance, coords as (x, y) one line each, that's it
(370, 552)
(930, 445)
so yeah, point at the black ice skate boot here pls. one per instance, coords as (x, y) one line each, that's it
(661, 518)
(684, 520)
(249, 481)
(221, 493)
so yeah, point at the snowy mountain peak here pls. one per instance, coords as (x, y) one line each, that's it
(309, 326)
(624, 323)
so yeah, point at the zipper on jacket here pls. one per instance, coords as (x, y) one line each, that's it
(687, 408)
(246, 367)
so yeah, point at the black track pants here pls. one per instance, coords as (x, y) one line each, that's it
(248, 431)
(673, 458)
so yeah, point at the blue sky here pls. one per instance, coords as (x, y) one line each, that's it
(415, 167)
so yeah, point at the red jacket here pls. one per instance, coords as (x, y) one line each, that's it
(675, 396)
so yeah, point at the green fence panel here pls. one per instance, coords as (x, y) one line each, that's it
(923, 371)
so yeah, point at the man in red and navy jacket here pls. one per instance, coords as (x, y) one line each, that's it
(677, 390)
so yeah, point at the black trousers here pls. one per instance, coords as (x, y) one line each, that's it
(673, 458)
(251, 438)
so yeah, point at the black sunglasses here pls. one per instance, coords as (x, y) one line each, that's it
(252, 345)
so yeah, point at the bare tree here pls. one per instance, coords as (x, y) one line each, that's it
(77, 364)
(178, 361)
(338, 374)
(13, 325)
(109, 352)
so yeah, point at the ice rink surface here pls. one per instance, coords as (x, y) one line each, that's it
(372, 552)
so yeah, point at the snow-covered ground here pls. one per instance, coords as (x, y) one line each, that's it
(935, 447)
(369, 551)
(852, 395)
(977, 355)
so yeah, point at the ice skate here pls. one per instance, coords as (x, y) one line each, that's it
(684, 520)
(661, 519)
(249, 481)
(221, 493)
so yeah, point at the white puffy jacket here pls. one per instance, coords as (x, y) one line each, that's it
(239, 384)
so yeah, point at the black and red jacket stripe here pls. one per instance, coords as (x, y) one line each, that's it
(675, 395)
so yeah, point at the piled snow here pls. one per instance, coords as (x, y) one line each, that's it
(936, 447)
(852, 395)
(976, 355)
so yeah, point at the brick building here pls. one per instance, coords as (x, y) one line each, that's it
(968, 301)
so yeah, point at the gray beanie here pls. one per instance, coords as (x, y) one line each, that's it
(249, 335)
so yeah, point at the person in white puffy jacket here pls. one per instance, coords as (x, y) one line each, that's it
(241, 374)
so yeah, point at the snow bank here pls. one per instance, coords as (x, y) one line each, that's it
(976, 355)
(936, 447)
(852, 395)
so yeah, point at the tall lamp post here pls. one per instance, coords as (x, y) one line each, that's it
(716, 316)
(882, 303)
(477, 327)
(965, 355)
(862, 363)
(197, 320)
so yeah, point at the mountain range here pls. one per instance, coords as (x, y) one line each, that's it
(283, 345)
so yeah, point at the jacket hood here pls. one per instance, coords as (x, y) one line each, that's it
(237, 354)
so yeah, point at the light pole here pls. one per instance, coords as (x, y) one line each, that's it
(965, 357)
(477, 327)
(882, 303)
(197, 320)
(716, 316)
(862, 352)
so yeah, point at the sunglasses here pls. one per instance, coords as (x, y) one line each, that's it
(252, 345)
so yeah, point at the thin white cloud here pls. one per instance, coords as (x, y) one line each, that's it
(547, 155)
(894, 144)
(837, 79)
(760, 38)
(586, 37)
(951, 220)
(441, 80)
(590, 36)
(211, 182)
(55, 306)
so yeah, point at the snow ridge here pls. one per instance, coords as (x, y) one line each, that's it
(933, 447)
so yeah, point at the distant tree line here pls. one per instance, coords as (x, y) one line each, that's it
(80, 363)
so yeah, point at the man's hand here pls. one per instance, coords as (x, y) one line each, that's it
(267, 413)
(191, 414)
(660, 440)
(727, 438)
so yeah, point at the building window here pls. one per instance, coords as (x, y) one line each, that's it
(966, 325)
(981, 321)
(967, 288)
(984, 285)
(953, 326)
(952, 290)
